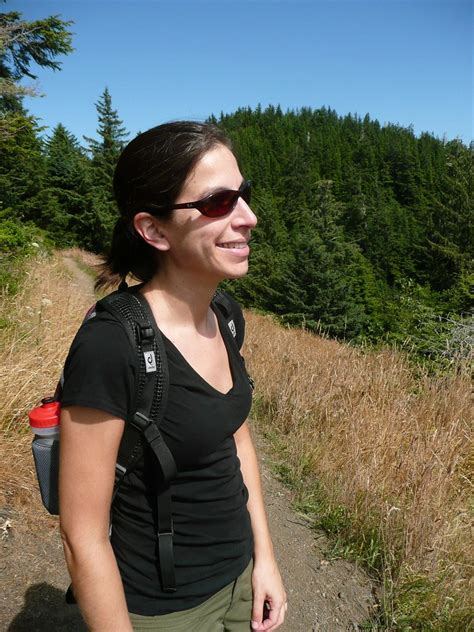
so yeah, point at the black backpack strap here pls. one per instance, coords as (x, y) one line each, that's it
(132, 310)
(165, 460)
(235, 320)
(233, 315)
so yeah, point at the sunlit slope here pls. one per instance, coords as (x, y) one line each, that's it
(388, 456)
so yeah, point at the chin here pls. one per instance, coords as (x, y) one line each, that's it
(237, 274)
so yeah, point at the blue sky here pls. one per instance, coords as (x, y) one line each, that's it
(402, 61)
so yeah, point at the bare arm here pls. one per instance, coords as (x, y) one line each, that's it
(89, 444)
(266, 580)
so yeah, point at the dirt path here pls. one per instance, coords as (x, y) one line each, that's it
(323, 596)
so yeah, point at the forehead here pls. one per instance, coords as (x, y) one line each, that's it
(216, 169)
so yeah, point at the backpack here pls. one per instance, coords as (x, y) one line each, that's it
(132, 310)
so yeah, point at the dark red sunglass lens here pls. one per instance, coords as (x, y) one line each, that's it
(219, 204)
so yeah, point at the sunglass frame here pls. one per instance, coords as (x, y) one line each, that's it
(244, 192)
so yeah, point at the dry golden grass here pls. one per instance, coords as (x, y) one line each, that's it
(40, 323)
(392, 449)
(38, 326)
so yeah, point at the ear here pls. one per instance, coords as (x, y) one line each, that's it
(151, 231)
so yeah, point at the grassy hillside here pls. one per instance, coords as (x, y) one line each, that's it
(377, 455)
(381, 460)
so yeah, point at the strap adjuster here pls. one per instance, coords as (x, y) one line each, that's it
(140, 421)
(145, 333)
(166, 533)
(120, 470)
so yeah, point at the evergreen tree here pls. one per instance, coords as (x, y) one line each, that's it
(112, 133)
(98, 222)
(63, 198)
(326, 269)
(23, 43)
(21, 164)
(448, 255)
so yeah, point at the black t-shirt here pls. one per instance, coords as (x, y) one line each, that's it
(212, 532)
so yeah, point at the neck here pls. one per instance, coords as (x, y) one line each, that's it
(182, 303)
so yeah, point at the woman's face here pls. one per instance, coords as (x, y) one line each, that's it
(207, 248)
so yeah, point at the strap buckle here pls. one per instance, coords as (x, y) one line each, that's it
(140, 421)
(120, 471)
(166, 533)
(145, 332)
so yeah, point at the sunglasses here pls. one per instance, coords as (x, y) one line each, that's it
(220, 203)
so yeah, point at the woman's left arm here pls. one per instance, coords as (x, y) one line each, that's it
(266, 580)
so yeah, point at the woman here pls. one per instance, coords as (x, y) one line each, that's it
(185, 226)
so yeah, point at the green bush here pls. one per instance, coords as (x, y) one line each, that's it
(17, 241)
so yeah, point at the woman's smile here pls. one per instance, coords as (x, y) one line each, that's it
(239, 248)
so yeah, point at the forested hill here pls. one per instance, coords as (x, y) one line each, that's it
(364, 233)
(364, 230)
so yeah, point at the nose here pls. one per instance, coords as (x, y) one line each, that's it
(243, 214)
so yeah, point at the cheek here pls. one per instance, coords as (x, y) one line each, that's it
(193, 248)
(197, 238)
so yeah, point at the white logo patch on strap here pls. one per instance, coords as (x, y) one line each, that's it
(232, 328)
(150, 361)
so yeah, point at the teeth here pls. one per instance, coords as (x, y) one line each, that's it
(236, 244)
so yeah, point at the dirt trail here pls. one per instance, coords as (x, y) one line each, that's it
(323, 595)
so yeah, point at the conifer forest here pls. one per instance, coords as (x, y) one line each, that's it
(365, 231)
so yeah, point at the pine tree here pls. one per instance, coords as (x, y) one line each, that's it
(102, 211)
(449, 247)
(23, 43)
(63, 199)
(112, 133)
(327, 271)
(21, 164)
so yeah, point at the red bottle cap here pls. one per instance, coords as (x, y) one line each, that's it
(46, 415)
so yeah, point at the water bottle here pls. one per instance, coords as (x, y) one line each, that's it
(44, 422)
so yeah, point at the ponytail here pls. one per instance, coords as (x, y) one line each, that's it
(128, 254)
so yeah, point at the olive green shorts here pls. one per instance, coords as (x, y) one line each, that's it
(229, 610)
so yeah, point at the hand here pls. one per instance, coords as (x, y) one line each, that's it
(269, 596)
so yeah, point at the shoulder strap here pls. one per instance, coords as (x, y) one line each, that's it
(235, 320)
(233, 315)
(132, 310)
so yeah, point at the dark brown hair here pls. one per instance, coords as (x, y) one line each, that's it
(149, 176)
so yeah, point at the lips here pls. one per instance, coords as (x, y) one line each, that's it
(233, 244)
(237, 248)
